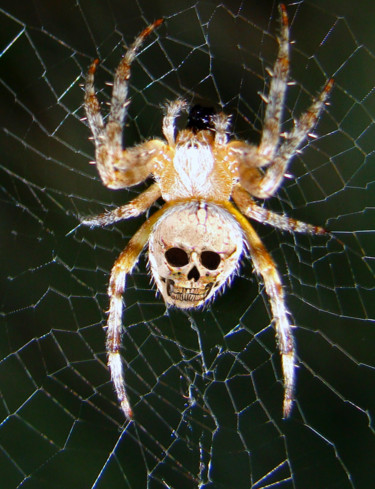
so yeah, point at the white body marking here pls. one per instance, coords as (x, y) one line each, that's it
(194, 164)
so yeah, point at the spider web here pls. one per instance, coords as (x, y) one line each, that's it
(206, 387)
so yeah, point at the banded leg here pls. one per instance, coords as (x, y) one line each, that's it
(112, 162)
(272, 178)
(119, 100)
(269, 153)
(252, 210)
(119, 91)
(137, 206)
(249, 157)
(266, 268)
(263, 184)
(123, 266)
(276, 95)
(92, 106)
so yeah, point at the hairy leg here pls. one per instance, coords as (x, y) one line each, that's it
(267, 184)
(264, 183)
(119, 100)
(250, 158)
(118, 168)
(266, 268)
(252, 210)
(137, 206)
(270, 153)
(276, 95)
(123, 266)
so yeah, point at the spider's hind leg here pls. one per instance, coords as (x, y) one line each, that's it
(266, 268)
(123, 266)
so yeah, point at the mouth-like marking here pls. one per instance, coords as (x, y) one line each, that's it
(188, 294)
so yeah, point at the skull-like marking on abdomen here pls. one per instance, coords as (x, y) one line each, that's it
(193, 251)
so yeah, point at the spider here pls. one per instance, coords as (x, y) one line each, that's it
(208, 183)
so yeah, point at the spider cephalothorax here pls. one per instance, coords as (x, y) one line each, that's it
(208, 183)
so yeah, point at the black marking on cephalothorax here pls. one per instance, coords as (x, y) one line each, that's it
(200, 118)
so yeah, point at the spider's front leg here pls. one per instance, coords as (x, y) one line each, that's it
(251, 158)
(262, 168)
(276, 96)
(264, 185)
(118, 168)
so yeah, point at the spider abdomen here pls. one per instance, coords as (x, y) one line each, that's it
(194, 250)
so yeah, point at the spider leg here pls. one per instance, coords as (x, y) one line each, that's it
(119, 92)
(250, 157)
(267, 184)
(118, 168)
(265, 266)
(123, 266)
(92, 106)
(263, 184)
(252, 210)
(133, 209)
(276, 95)
(119, 100)
(173, 110)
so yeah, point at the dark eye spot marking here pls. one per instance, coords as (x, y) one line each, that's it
(210, 259)
(176, 257)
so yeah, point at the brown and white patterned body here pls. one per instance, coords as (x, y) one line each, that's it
(207, 183)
